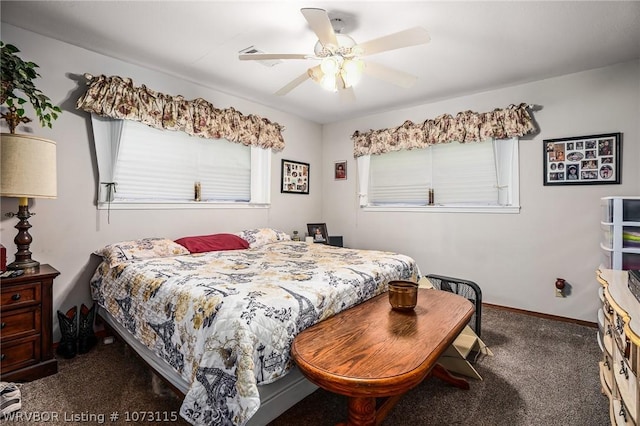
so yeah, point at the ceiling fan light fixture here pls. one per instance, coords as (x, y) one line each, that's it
(329, 82)
(315, 74)
(344, 47)
(357, 51)
(330, 65)
(339, 65)
(351, 71)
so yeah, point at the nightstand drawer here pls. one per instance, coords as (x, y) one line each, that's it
(20, 353)
(26, 317)
(20, 295)
(19, 322)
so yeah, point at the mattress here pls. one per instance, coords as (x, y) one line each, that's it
(275, 398)
(224, 321)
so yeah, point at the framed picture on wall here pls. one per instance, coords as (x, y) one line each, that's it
(582, 160)
(340, 170)
(295, 177)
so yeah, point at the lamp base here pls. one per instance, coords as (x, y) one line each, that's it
(23, 239)
(28, 266)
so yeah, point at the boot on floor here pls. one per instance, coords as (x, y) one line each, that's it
(69, 329)
(86, 336)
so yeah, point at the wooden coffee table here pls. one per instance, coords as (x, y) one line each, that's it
(372, 351)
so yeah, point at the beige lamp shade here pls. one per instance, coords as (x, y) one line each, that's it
(28, 166)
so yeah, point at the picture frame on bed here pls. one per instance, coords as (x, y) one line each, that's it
(319, 232)
(294, 177)
(582, 160)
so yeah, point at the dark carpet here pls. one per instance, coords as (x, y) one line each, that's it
(543, 372)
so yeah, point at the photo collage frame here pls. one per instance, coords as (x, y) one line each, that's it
(582, 160)
(294, 177)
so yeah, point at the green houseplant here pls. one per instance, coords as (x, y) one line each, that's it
(17, 78)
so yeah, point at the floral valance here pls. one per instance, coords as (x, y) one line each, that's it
(117, 97)
(467, 126)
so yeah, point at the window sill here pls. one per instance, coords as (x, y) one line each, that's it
(445, 209)
(178, 205)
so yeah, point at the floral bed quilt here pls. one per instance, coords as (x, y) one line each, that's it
(225, 320)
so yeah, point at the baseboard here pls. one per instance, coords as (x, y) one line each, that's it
(101, 334)
(541, 315)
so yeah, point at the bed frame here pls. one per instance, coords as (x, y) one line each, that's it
(275, 398)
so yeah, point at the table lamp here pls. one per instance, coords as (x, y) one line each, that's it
(27, 170)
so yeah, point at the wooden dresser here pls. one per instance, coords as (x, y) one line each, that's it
(26, 317)
(619, 339)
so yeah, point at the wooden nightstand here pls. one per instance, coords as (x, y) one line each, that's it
(26, 315)
(335, 240)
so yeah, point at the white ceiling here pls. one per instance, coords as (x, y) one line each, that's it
(475, 46)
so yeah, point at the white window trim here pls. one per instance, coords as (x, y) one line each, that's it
(506, 171)
(119, 205)
(444, 209)
(106, 132)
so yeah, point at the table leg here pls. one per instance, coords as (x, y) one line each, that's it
(362, 412)
(385, 407)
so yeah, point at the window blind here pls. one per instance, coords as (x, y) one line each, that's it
(464, 173)
(156, 165)
(401, 177)
(458, 173)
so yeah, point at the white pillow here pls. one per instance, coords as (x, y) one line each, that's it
(146, 248)
(261, 236)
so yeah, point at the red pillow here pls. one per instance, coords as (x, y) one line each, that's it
(215, 242)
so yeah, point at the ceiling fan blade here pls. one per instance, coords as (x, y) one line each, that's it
(270, 56)
(399, 78)
(321, 25)
(406, 38)
(293, 84)
(347, 94)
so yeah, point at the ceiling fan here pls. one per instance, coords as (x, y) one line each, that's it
(340, 56)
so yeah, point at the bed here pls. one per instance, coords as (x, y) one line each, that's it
(217, 320)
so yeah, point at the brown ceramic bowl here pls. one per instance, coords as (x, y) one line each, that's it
(403, 295)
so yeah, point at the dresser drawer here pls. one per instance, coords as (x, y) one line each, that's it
(605, 378)
(626, 383)
(19, 322)
(606, 371)
(619, 333)
(20, 353)
(20, 295)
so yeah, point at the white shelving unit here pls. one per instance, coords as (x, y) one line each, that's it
(620, 216)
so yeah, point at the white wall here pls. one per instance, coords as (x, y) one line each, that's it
(67, 230)
(515, 258)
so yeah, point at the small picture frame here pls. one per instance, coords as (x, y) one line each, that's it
(340, 170)
(319, 232)
(582, 160)
(294, 177)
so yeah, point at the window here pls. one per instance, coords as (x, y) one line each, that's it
(157, 167)
(477, 176)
